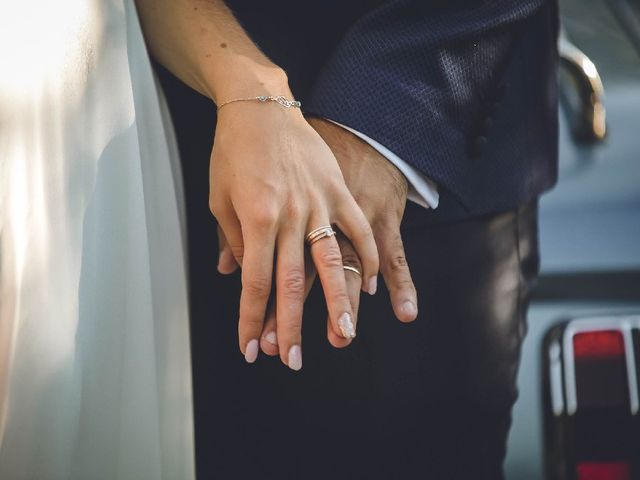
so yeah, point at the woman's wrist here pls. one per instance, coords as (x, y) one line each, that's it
(243, 78)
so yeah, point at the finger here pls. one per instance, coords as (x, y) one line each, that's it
(229, 226)
(290, 286)
(257, 270)
(226, 262)
(327, 258)
(356, 228)
(354, 284)
(395, 271)
(269, 338)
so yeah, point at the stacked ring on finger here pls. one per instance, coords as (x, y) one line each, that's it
(319, 233)
(352, 269)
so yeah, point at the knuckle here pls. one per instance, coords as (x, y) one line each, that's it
(293, 283)
(404, 283)
(392, 246)
(265, 216)
(331, 257)
(398, 263)
(257, 286)
(295, 209)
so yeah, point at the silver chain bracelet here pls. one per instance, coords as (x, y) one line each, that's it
(285, 102)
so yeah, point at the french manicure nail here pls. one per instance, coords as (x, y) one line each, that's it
(271, 338)
(409, 308)
(295, 358)
(251, 352)
(346, 326)
(373, 285)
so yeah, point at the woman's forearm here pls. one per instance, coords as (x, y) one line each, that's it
(201, 43)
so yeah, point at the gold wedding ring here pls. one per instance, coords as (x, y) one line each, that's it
(319, 233)
(352, 269)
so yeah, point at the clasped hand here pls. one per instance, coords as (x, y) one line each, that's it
(275, 177)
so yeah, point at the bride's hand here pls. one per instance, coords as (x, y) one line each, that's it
(269, 339)
(273, 180)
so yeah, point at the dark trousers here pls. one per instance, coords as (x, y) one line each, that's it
(431, 399)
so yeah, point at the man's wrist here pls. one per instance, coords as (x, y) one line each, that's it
(422, 190)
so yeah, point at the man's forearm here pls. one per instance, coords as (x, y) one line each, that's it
(201, 43)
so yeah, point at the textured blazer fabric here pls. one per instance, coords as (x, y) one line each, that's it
(465, 91)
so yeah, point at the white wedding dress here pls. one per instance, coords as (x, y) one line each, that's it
(95, 377)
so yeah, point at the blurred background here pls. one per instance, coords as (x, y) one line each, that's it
(577, 415)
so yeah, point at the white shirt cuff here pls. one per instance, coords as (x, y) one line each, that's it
(422, 190)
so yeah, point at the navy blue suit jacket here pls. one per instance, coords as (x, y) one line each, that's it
(465, 91)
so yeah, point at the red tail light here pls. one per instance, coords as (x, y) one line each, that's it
(603, 471)
(600, 369)
(598, 344)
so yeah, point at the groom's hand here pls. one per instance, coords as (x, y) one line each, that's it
(380, 190)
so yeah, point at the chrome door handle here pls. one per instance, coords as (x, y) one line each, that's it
(589, 124)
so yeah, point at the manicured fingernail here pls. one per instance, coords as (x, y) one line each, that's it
(271, 338)
(373, 285)
(251, 352)
(346, 326)
(409, 308)
(295, 358)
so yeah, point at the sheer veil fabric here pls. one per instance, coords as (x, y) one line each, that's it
(95, 374)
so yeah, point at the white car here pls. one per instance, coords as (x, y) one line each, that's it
(577, 415)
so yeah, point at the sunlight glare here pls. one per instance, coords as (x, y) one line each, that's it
(39, 41)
